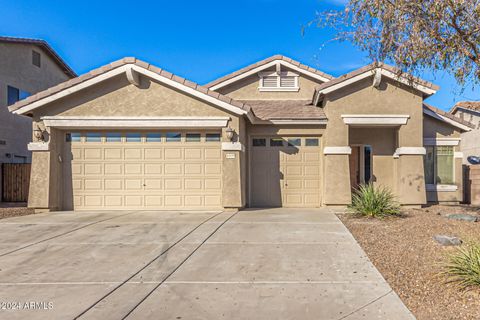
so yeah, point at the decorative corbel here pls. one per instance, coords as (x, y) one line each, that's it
(377, 78)
(133, 76)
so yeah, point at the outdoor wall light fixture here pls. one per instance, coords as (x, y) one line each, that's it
(230, 134)
(38, 134)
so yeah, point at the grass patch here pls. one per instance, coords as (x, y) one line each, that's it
(463, 267)
(376, 202)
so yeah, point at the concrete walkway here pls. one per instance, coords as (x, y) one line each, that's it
(254, 264)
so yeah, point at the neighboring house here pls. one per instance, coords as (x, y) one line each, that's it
(129, 135)
(27, 66)
(469, 111)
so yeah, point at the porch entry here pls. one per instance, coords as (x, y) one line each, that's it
(360, 165)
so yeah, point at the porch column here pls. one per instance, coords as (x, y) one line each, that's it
(233, 157)
(45, 177)
(337, 189)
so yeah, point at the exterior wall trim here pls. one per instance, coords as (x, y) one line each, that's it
(375, 119)
(38, 146)
(337, 150)
(458, 154)
(135, 122)
(233, 146)
(441, 188)
(409, 151)
(441, 141)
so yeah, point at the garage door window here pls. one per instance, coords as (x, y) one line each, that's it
(134, 137)
(311, 142)
(174, 137)
(93, 137)
(113, 137)
(259, 142)
(73, 137)
(212, 137)
(276, 142)
(154, 137)
(294, 142)
(192, 137)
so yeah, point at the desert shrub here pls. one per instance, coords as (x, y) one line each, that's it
(371, 201)
(463, 267)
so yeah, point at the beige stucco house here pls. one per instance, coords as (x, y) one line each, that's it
(130, 135)
(469, 111)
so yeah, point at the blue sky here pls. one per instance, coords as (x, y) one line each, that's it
(199, 40)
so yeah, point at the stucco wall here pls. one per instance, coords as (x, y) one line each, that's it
(247, 89)
(18, 71)
(363, 98)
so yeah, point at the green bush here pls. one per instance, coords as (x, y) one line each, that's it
(371, 201)
(463, 267)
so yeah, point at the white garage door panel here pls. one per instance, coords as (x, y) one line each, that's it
(145, 175)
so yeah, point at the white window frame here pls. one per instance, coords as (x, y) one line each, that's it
(436, 142)
(262, 75)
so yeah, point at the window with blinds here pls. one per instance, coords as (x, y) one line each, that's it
(439, 165)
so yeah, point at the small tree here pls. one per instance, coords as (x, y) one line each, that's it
(414, 34)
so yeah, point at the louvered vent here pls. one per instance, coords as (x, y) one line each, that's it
(287, 82)
(270, 82)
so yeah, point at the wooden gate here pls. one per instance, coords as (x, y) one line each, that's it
(15, 182)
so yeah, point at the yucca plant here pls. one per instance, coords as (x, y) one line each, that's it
(371, 201)
(463, 267)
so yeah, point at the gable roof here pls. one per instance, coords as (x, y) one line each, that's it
(447, 117)
(391, 72)
(127, 65)
(470, 105)
(264, 64)
(46, 47)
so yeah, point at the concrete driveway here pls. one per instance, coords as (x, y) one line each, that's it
(254, 264)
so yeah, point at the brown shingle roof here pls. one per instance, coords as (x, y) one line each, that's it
(46, 47)
(285, 110)
(370, 67)
(128, 60)
(471, 105)
(263, 62)
(448, 115)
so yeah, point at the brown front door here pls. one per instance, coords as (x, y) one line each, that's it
(355, 167)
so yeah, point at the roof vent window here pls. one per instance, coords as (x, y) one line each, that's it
(285, 81)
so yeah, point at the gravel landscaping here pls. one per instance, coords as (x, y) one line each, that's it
(405, 252)
(8, 210)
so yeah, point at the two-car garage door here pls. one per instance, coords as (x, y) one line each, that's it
(158, 170)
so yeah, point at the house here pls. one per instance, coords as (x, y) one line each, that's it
(130, 135)
(27, 66)
(469, 111)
